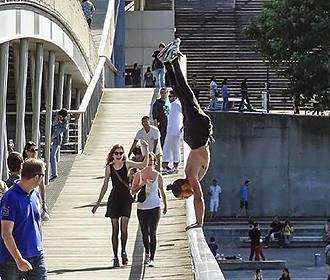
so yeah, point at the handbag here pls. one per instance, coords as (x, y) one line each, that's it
(125, 184)
(141, 197)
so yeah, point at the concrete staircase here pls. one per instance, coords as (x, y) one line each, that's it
(231, 233)
(212, 39)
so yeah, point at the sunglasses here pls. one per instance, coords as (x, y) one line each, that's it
(34, 150)
(118, 153)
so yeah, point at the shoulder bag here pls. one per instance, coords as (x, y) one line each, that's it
(132, 198)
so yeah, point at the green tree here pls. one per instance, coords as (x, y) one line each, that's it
(294, 36)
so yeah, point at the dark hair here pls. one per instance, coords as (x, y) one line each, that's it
(258, 270)
(214, 180)
(113, 149)
(212, 239)
(32, 167)
(255, 224)
(161, 45)
(212, 79)
(137, 151)
(27, 147)
(145, 118)
(176, 187)
(63, 112)
(148, 69)
(246, 181)
(15, 161)
(286, 270)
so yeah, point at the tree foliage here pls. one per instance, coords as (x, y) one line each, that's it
(294, 36)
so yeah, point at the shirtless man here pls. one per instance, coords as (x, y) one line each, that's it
(197, 134)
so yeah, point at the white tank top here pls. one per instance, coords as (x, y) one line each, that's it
(152, 200)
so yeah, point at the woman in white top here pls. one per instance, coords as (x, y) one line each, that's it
(148, 211)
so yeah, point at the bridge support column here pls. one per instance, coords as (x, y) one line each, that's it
(60, 86)
(119, 46)
(4, 57)
(78, 98)
(67, 104)
(49, 111)
(21, 97)
(39, 62)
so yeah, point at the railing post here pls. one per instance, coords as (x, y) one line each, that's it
(79, 120)
(4, 57)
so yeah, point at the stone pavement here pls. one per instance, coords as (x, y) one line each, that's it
(77, 243)
(300, 262)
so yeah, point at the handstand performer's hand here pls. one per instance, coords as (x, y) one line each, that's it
(195, 225)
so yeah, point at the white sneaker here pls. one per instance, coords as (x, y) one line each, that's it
(151, 264)
(146, 259)
(170, 52)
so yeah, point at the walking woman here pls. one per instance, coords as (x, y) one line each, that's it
(148, 211)
(31, 151)
(120, 200)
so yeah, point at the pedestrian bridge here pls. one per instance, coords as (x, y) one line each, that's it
(78, 243)
(48, 53)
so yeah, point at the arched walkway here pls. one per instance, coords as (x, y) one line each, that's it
(77, 243)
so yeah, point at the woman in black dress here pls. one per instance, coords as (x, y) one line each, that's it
(120, 200)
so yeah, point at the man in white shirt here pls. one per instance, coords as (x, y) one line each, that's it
(151, 135)
(172, 141)
(214, 192)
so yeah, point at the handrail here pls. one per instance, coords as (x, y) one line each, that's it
(103, 57)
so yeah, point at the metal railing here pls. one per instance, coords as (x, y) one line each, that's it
(70, 14)
(102, 76)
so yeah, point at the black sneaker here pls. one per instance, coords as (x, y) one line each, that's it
(53, 178)
(170, 52)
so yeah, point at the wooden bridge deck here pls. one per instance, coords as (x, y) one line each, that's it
(78, 243)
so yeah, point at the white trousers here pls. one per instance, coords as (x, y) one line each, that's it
(171, 150)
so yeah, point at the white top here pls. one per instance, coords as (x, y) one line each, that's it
(213, 88)
(152, 199)
(326, 250)
(175, 119)
(149, 137)
(215, 191)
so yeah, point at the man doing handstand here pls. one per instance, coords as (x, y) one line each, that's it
(197, 134)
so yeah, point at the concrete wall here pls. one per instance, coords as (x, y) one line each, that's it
(144, 31)
(287, 159)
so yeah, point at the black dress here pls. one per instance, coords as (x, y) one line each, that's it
(120, 199)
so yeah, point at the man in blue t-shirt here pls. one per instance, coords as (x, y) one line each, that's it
(245, 197)
(21, 250)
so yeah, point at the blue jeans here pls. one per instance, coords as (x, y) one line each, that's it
(53, 157)
(9, 270)
(225, 104)
(160, 77)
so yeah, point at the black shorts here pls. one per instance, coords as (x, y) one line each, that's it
(197, 125)
(244, 203)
